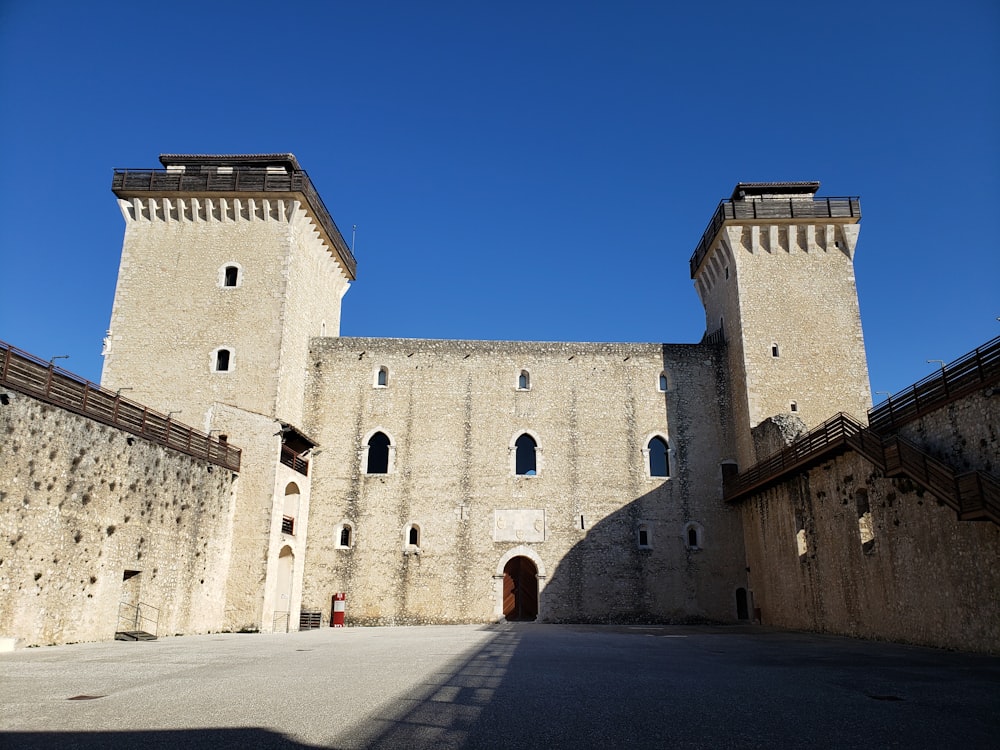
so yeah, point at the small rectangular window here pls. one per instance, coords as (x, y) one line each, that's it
(774, 350)
(801, 540)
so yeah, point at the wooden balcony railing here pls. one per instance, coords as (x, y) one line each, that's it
(44, 381)
(977, 369)
(294, 460)
(769, 209)
(127, 182)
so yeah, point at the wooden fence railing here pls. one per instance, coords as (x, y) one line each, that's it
(39, 379)
(294, 460)
(978, 368)
(239, 180)
(974, 496)
(762, 209)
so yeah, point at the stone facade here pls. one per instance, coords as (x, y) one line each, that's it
(468, 481)
(843, 548)
(173, 259)
(82, 507)
(965, 433)
(909, 571)
(453, 411)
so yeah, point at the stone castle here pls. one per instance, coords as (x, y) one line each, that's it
(437, 481)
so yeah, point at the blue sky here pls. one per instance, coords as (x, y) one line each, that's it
(518, 170)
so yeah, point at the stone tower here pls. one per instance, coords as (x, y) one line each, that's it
(229, 264)
(775, 273)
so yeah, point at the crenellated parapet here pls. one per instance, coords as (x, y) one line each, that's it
(774, 204)
(229, 188)
(771, 238)
(230, 210)
(774, 270)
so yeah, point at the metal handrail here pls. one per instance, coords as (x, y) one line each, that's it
(277, 616)
(137, 619)
(239, 180)
(26, 373)
(766, 209)
(978, 368)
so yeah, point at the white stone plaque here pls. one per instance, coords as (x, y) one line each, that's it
(518, 525)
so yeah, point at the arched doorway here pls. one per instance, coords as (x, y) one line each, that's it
(283, 600)
(520, 589)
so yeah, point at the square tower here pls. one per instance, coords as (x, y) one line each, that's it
(775, 273)
(229, 264)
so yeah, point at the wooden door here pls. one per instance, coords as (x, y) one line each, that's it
(520, 589)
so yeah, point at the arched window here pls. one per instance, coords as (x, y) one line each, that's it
(524, 464)
(291, 508)
(659, 464)
(413, 535)
(382, 377)
(345, 536)
(223, 360)
(378, 454)
(694, 536)
(524, 381)
(230, 275)
(663, 382)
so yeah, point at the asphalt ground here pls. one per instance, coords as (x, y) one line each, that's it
(500, 686)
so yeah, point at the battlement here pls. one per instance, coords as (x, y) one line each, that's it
(772, 202)
(251, 175)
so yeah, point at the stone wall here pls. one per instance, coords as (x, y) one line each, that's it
(909, 571)
(81, 503)
(453, 411)
(965, 433)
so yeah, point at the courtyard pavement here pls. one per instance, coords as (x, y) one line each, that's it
(499, 686)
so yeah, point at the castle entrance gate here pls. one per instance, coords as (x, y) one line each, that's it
(520, 589)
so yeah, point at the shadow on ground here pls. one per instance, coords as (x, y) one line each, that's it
(186, 739)
(555, 686)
